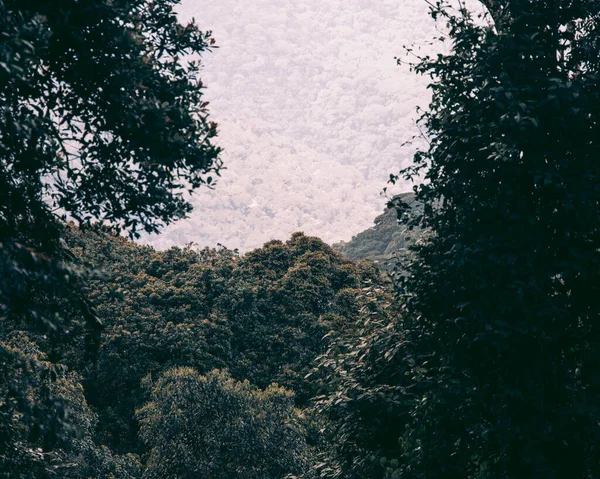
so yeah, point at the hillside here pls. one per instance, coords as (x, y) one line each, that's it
(304, 93)
(383, 241)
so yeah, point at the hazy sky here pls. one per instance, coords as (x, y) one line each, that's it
(312, 112)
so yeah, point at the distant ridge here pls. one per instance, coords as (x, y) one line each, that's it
(382, 242)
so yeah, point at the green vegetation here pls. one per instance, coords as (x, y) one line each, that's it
(100, 119)
(213, 426)
(176, 316)
(478, 360)
(384, 242)
(503, 292)
(494, 372)
(211, 309)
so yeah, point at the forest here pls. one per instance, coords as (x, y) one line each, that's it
(457, 338)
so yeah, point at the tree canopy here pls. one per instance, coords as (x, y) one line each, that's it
(102, 118)
(213, 426)
(482, 362)
(265, 317)
(502, 295)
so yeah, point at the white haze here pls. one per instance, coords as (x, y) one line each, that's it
(312, 112)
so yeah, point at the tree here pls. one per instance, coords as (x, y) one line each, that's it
(365, 392)
(158, 312)
(101, 119)
(502, 308)
(46, 426)
(282, 301)
(264, 316)
(213, 426)
(491, 369)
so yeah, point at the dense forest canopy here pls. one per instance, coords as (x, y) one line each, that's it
(496, 368)
(100, 119)
(264, 317)
(477, 358)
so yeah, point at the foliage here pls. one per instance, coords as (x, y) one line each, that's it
(21, 427)
(157, 313)
(46, 425)
(213, 426)
(101, 118)
(502, 310)
(365, 392)
(383, 242)
(100, 114)
(264, 316)
(491, 369)
(284, 298)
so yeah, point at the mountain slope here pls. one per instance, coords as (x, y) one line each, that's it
(312, 111)
(383, 241)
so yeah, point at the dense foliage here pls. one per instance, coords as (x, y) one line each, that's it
(265, 317)
(481, 364)
(496, 366)
(100, 115)
(364, 401)
(100, 119)
(212, 426)
(503, 295)
(46, 424)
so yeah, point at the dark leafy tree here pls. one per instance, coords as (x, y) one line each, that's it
(366, 381)
(46, 426)
(265, 317)
(282, 302)
(100, 119)
(491, 370)
(157, 310)
(502, 313)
